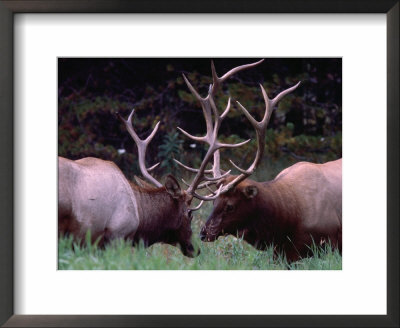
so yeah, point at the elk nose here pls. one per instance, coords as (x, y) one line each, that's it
(203, 235)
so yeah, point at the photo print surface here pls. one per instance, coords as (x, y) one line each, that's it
(199, 163)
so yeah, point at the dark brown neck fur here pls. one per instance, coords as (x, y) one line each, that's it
(157, 214)
(277, 211)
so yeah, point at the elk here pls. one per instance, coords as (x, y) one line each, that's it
(301, 206)
(94, 194)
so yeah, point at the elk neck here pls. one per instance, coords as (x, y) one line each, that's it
(278, 210)
(157, 213)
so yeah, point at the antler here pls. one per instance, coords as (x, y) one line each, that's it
(209, 107)
(142, 147)
(261, 128)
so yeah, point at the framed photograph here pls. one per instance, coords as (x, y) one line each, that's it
(71, 74)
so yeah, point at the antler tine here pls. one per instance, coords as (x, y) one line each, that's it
(283, 94)
(261, 128)
(192, 89)
(197, 207)
(152, 134)
(201, 186)
(214, 75)
(190, 136)
(208, 187)
(190, 169)
(238, 69)
(247, 114)
(128, 125)
(215, 179)
(248, 171)
(216, 168)
(218, 80)
(226, 111)
(142, 147)
(153, 167)
(207, 198)
(225, 145)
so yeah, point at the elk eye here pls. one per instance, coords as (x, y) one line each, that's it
(190, 215)
(229, 208)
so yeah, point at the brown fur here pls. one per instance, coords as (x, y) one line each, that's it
(302, 205)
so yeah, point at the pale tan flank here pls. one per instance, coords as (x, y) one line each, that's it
(94, 195)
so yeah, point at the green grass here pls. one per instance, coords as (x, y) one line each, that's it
(227, 253)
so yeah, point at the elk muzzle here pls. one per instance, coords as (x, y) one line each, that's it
(188, 250)
(206, 235)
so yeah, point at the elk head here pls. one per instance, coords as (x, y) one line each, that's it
(176, 208)
(232, 211)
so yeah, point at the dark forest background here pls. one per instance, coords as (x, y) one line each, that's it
(306, 125)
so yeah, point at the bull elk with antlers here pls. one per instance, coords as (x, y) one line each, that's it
(302, 205)
(94, 194)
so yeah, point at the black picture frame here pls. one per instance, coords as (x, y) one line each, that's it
(11, 7)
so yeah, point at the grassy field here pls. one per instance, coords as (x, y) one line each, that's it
(227, 253)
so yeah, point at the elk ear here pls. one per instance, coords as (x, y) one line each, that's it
(172, 186)
(250, 191)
